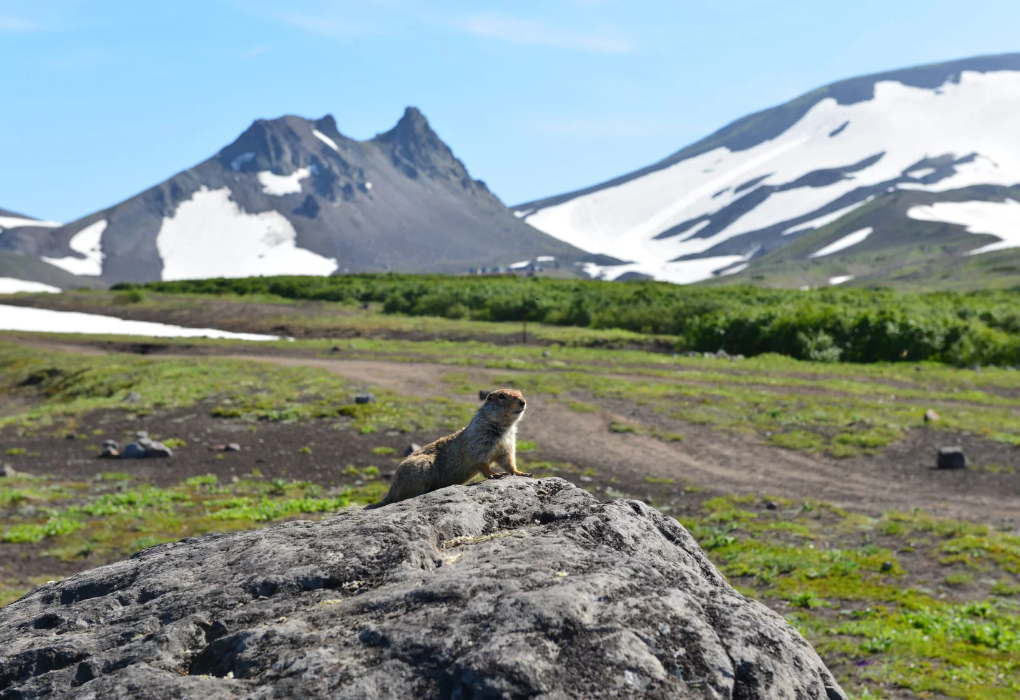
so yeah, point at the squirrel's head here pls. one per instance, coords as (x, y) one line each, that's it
(504, 405)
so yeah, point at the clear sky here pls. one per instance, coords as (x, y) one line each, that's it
(102, 99)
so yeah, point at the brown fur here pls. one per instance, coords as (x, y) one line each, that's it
(490, 437)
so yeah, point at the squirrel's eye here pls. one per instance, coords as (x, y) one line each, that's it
(502, 398)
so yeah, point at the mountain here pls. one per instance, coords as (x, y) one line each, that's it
(902, 177)
(25, 273)
(295, 196)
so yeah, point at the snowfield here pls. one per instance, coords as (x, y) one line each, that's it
(887, 138)
(211, 236)
(9, 285)
(1000, 219)
(87, 242)
(17, 318)
(325, 139)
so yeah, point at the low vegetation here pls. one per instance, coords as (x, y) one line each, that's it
(856, 325)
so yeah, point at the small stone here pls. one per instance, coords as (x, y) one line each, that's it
(70, 436)
(111, 443)
(109, 453)
(722, 354)
(546, 353)
(232, 447)
(737, 357)
(411, 449)
(158, 450)
(930, 416)
(364, 398)
(218, 448)
(585, 477)
(951, 458)
(886, 567)
(771, 505)
(7, 471)
(132, 450)
(142, 434)
(132, 397)
(484, 394)
(335, 348)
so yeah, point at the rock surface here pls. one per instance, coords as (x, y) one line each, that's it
(513, 588)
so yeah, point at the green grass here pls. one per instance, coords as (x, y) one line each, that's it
(841, 580)
(859, 325)
(59, 387)
(109, 517)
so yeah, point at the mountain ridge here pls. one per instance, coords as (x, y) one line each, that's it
(716, 206)
(295, 196)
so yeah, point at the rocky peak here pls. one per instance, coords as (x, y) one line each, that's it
(415, 148)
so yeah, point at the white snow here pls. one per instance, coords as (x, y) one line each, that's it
(826, 219)
(368, 185)
(545, 258)
(211, 236)
(519, 265)
(325, 139)
(88, 242)
(280, 185)
(907, 124)
(840, 279)
(17, 318)
(16, 221)
(683, 272)
(843, 243)
(734, 270)
(923, 172)
(1000, 219)
(9, 285)
(236, 164)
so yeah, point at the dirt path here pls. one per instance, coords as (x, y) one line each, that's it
(722, 462)
(900, 479)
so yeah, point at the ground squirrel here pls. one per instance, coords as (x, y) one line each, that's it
(491, 436)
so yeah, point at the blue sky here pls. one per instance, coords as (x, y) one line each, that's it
(102, 99)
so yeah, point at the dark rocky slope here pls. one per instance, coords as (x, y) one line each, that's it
(509, 589)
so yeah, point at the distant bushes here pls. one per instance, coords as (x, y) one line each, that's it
(854, 325)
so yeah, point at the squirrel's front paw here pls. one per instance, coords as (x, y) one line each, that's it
(527, 474)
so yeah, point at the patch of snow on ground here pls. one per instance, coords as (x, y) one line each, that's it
(280, 185)
(906, 124)
(17, 318)
(545, 258)
(833, 281)
(325, 139)
(519, 265)
(9, 285)
(845, 242)
(88, 242)
(16, 221)
(923, 172)
(236, 164)
(211, 236)
(1001, 219)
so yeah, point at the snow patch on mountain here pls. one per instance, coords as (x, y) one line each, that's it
(812, 169)
(325, 139)
(833, 281)
(211, 236)
(846, 241)
(681, 272)
(1000, 219)
(87, 242)
(16, 221)
(825, 220)
(9, 285)
(239, 162)
(280, 185)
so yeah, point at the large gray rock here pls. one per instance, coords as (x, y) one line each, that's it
(514, 588)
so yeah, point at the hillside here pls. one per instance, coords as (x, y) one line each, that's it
(295, 196)
(924, 157)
